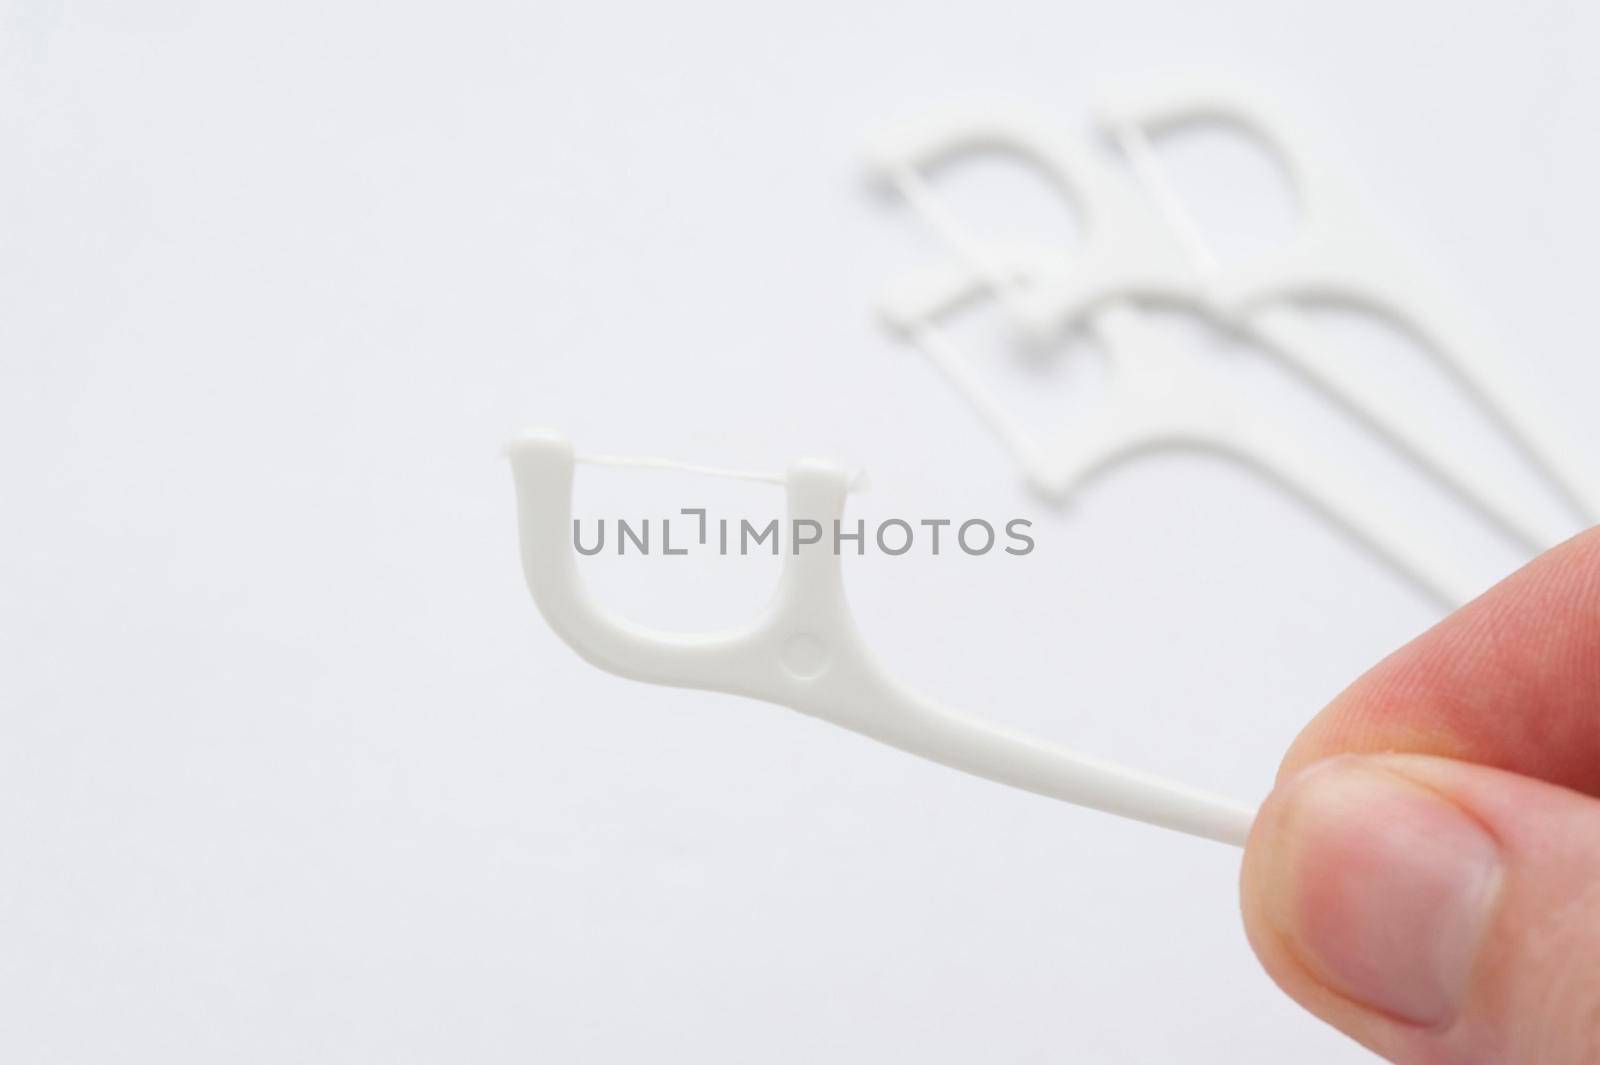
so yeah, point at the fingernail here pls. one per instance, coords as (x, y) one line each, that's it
(1382, 887)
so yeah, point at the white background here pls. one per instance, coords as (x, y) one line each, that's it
(290, 768)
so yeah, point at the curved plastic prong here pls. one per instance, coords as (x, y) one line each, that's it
(1123, 248)
(542, 466)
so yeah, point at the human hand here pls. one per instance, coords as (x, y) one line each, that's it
(1426, 875)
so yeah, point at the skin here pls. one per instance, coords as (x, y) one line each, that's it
(1426, 874)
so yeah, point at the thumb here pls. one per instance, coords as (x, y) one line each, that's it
(1439, 912)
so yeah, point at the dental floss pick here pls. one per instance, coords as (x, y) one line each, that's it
(1155, 400)
(805, 653)
(1125, 259)
(1338, 256)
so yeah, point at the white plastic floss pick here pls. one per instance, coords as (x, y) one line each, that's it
(1338, 256)
(1132, 254)
(806, 654)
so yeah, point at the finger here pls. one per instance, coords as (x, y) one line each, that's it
(1511, 680)
(1441, 913)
